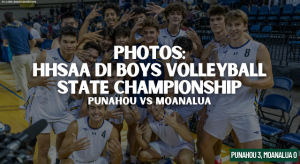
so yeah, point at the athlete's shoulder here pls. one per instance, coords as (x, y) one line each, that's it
(254, 43)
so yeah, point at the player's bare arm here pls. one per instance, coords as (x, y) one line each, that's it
(40, 81)
(71, 143)
(262, 56)
(115, 147)
(132, 115)
(84, 28)
(125, 18)
(136, 27)
(143, 134)
(55, 44)
(32, 44)
(175, 121)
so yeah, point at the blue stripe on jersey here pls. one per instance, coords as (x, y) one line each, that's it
(239, 46)
(63, 58)
(140, 77)
(88, 118)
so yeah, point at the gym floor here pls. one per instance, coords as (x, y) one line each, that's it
(10, 114)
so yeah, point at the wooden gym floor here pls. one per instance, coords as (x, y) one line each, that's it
(10, 100)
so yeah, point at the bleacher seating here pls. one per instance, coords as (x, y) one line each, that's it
(245, 9)
(272, 20)
(297, 10)
(295, 21)
(261, 20)
(274, 11)
(288, 10)
(253, 11)
(284, 20)
(263, 11)
(252, 20)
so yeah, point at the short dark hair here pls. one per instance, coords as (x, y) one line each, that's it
(92, 45)
(67, 15)
(218, 10)
(110, 5)
(184, 42)
(121, 30)
(175, 7)
(107, 31)
(95, 95)
(139, 10)
(9, 17)
(68, 30)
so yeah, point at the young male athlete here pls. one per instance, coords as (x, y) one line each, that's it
(175, 138)
(237, 111)
(48, 104)
(139, 16)
(113, 115)
(150, 30)
(175, 13)
(94, 50)
(67, 19)
(217, 15)
(86, 138)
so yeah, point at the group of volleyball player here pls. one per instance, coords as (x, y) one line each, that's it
(90, 133)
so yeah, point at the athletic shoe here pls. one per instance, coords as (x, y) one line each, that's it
(216, 162)
(22, 107)
(18, 90)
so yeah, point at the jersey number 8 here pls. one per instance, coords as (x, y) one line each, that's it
(247, 52)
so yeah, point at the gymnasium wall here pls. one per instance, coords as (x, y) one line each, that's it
(41, 5)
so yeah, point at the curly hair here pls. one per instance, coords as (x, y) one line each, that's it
(151, 22)
(92, 45)
(139, 10)
(110, 5)
(175, 7)
(218, 10)
(121, 30)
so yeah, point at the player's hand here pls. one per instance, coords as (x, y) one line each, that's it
(137, 26)
(130, 60)
(42, 39)
(243, 79)
(224, 42)
(191, 34)
(82, 54)
(94, 36)
(153, 8)
(127, 16)
(139, 131)
(44, 82)
(206, 53)
(81, 144)
(203, 115)
(135, 112)
(93, 14)
(168, 119)
(114, 114)
(114, 146)
(107, 57)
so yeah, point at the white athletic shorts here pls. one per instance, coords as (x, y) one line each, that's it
(185, 114)
(100, 160)
(57, 126)
(117, 120)
(143, 113)
(167, 151)
(246, 127)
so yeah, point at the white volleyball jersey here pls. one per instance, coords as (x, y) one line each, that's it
(113, 106)
(165, 38)
(50, 104)
(245, 99)
(98, 137)
(212, 59)
(29, 99)
(165, 132)
(189, 78)
(138, 36)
